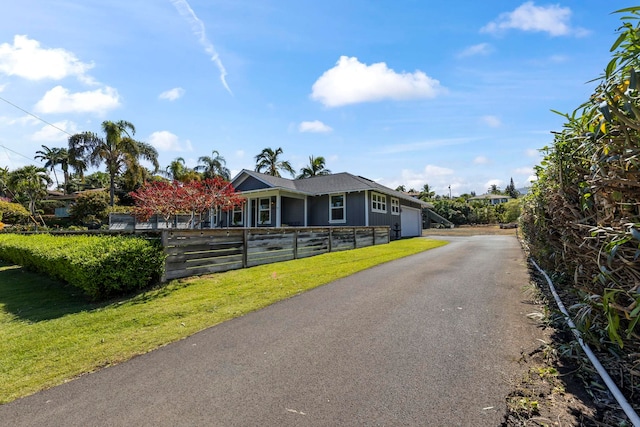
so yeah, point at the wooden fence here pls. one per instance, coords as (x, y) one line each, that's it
(195, 252)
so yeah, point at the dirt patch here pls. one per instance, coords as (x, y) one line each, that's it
(560, 386)
(467, 230)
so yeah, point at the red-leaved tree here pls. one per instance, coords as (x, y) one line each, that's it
(195, 197)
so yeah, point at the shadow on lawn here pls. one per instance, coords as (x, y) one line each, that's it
(34, 297)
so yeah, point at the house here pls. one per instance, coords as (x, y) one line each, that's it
(339, 199)
(491, 199)
(68, 199)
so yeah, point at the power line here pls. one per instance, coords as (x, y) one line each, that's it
(15, 152)
(36, 117)
(33, 115)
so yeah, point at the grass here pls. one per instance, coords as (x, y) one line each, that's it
(49, 333)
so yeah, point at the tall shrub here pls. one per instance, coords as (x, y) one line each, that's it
(582, 216)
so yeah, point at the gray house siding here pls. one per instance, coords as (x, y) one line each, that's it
(355, 208)
(292, 212)
(250, 183)
(291, 200)
(319, 211)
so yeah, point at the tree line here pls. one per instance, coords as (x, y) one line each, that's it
(122, 157)
(464, 210)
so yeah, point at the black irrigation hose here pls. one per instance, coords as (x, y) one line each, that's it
(626, 407)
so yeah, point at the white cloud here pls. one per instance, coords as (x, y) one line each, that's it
(524, 171)
(166, 141)
(26, 59)
(315, 126)
(198, 28)
(2, 87)
(59, 133)
(60, 100)
(533, 152)
(476, 49)
(491, 121)
(551, 19)
(481, 160)
(352, 82)
(172, 94)
(491, 182)
(433, 171)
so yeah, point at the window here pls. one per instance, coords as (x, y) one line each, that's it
(337, 208)
(264, 211)
(378, 202)
(213, 218)
(395, 206)
(238, 215)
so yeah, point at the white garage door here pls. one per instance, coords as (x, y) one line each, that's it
(411, 222)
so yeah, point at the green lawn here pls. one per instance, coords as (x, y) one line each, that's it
(49, 333)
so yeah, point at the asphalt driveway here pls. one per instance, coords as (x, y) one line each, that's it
(428, 340)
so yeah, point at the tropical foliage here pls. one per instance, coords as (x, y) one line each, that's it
(91, 207)
(13, 213)
(268, 161)
(582, 218)
(29, 184)
(213, 166)
(316, 167)
(194, 197)
(117, 150)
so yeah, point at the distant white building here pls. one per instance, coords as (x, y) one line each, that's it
(491, 199)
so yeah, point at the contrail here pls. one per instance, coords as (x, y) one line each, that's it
(198, 29)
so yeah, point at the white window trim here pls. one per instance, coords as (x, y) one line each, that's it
(344, 209)
(239, 209)
(214, 216)
(378, 199)
(260, 210)
(395, 206)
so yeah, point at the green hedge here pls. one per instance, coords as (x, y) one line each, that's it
(13, 213)
(102, 266)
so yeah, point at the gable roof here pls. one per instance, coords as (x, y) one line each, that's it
(342, 182)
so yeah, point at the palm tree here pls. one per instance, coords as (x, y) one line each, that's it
(494, 189)
(213, 166)
(62, 157)
(97, 180)
(118, 150)
(52, 157)
(176, 169)
(315, 168)
(426, 193)
(4, 181)
(29, 182)
(268, 160)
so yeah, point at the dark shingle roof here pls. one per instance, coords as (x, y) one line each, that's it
(329, 184)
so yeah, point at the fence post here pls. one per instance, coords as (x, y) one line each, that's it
(330, 239)
(295, 244)
(165, 242)
(355, 238)
(245, 247)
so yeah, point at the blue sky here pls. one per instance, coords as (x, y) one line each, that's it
(404, 92)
